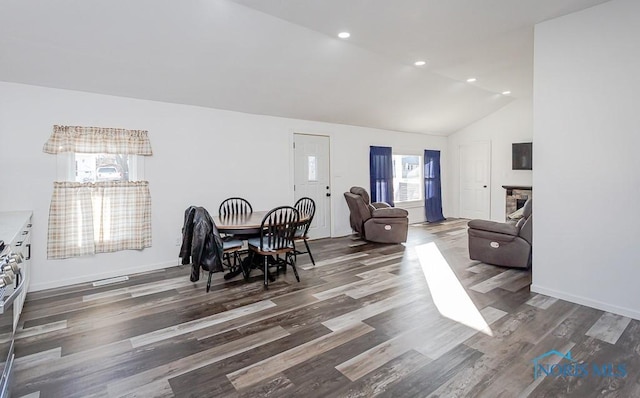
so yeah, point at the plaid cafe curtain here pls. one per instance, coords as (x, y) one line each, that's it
(106, 216)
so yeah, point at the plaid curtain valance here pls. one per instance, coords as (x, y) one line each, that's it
(98, 140)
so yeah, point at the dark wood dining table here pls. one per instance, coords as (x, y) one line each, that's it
(240, 224)
(247, 224)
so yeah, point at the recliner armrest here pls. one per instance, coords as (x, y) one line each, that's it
(389, 212)
(492, 226)
(380, 205)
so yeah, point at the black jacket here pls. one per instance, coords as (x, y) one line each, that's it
(201, 242)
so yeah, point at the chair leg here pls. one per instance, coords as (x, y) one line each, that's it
(295, 251)
(245, 268)
(293, 265)
(225, 257)
(209, 281)
(266, 272)
(249, 263)
(309, 252)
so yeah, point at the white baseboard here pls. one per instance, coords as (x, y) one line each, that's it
(96, 277)
(599, 305)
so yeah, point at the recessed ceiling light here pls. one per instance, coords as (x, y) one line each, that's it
(506, 92)
(344, 35)
(420, 63)
(471, 80)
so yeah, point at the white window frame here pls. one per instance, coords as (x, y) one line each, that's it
(418, 202)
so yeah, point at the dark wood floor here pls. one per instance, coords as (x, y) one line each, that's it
(411, 320)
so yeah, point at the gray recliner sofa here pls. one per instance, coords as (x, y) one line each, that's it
(507, 244)
(376, 222)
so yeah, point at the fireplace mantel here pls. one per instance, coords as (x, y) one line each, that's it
(521, 187)
(516, 196)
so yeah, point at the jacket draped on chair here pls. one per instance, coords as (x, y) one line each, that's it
(201, 245)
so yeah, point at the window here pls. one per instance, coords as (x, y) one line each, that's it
(93, 167)
(312, 163)
(99, 203)
(407, 178)
(96, 167)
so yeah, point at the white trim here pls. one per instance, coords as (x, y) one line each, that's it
(65, 166)
(109, 281)
(628, 312)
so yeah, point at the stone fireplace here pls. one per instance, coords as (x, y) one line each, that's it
(516, 197)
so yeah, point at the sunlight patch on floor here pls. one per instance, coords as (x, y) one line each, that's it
(446, 290)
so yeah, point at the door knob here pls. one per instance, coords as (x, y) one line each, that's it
(484, 186)
(328, 194)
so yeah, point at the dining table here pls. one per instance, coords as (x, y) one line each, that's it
(242, 226)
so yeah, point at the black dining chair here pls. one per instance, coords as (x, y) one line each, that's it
(234, 206)
(226, 247)
(229, 207)
(307, 209)
(276, 238)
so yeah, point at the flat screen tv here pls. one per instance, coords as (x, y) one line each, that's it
(522, 156)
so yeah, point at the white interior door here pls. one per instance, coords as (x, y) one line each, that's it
(312, 179)
(475, 180)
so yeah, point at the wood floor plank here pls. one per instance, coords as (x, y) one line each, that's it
(317, 376)
(211, 380)
(28, 361)
(499, 280)
(432, 375)
(370, 310)
(382, 259)
(609, 327)
(335, 260)
(161, 374)
(278, 386)
(188, 327)
(376, 383)
(542, 301)
(264, 369)
(22, 333)
(517, 379)
(346, 288)
(377, 356)
(448, 334)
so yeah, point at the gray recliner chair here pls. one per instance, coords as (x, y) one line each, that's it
(507, 244)
(376, 222)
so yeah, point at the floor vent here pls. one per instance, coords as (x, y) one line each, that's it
(110, 281)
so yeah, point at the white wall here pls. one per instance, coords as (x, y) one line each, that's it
(201, 156)
(587, 167)
(512, 123)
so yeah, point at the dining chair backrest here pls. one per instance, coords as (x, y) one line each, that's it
(278, 227)
(307, 209)
(234, 206)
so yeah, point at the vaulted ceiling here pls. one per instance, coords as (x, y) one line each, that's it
(283, 57)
